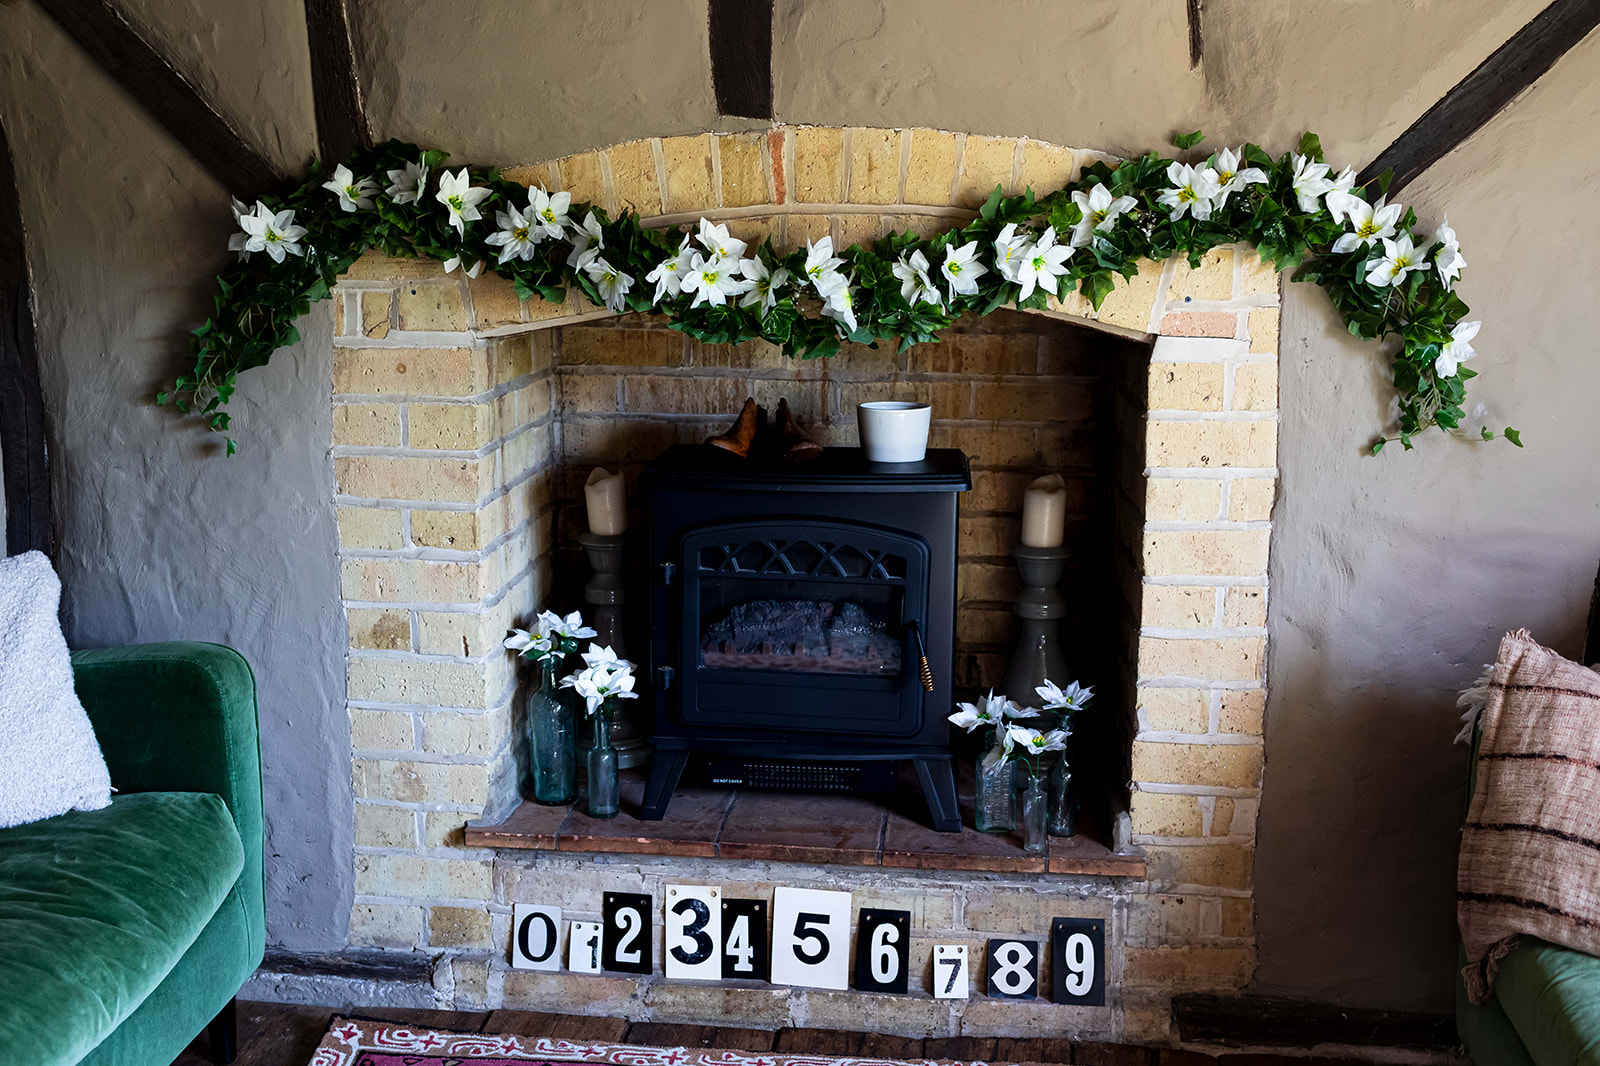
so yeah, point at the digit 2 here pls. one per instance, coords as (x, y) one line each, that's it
(1013, 969)
(744, 939)
(1078, 961)
(626, 943)
(883, 951)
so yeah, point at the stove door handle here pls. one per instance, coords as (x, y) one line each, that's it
(924, 671)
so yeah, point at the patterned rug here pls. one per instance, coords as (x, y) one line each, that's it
(357, 1042)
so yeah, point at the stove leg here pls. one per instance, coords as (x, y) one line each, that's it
(938, 777)
(665, 769)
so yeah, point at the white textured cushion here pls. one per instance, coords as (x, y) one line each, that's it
(49, 760)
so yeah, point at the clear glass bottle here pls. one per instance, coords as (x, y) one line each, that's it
(551, 736)
(603, 791)
(1035, 810)
(995, 804)
(1063, 803)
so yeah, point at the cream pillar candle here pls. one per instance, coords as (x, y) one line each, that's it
(1044, 512)
(608, 505)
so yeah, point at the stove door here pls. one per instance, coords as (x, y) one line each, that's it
(800, 626)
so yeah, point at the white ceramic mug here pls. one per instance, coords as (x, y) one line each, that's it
(894, 431)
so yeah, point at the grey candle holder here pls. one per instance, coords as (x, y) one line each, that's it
(605, 596)
(1040, 607)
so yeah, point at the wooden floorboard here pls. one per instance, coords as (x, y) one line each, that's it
(270, 1034)
(576, 1027)
(961, 1048)
(454, 1021)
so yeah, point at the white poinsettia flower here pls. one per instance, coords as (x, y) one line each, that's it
(601, 656)
(915, 284)
(1034, 741)
(571, 626)
(962, 270)
(1193, 189)
(612, 283)
(990, 711)
(1399, 258)
(1369, 223)
(272, 232)
(1008, 248)
(1072, 698)
(1100, 212)
(407, 184)
(460, 198)
(549, 210)
(715, 240)
(456, 262)
(765, 284)
(1043, 262)
(1231, 177)
(1310, 183)
(602, 682)
(713, 279)
(840, 304)
(353, 195)
(1447, 260)
(517, 237)
(586, 238)
(669, 275)
(1457, 350)
(236, 243)
(822, 266)
(519, 640)
(1340, 187)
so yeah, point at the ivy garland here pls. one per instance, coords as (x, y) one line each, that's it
(1019, 250)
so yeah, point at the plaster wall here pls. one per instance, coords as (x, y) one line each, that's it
(160, 539)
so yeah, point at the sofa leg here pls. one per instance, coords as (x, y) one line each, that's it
(224, 1034)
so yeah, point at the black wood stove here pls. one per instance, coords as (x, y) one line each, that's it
(791, 608)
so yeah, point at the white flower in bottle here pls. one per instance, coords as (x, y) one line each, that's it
(272, 232)
(407, 184)
(1399, 259)
(601, 656)
(571, 626)
(517, 237)
(1042, 264)
(822, 266)
(460, 198)
(915, 284)
(549, 210)
(586, 238)
(669, 275)
(520, 640)
(765, 283)
(1230, 177)
(1447, 260)
(353, 195)
(1072, 698)
(237, 242)
(1008, 249)
(840, 304)
(1310, 183)
(1457, 350)
(1193, 190)
(991, 711)
(1369, 223)
(1100, 212)
(1034, 741)
(602, 682)
(715, 240)
(612, 283)
(962, 270)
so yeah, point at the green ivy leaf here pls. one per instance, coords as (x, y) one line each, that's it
(991, 205)
(1513, 436)
(1311, 146)
(1186, 141)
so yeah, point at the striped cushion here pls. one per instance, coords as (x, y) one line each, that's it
(1530, 852)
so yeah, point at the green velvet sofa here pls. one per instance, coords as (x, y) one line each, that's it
(125, 932)
(1545, 1010)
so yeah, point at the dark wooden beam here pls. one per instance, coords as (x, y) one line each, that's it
(1269, 1021)
(341, 122)
(144, 73)
(1196, 41)
(24, 458)
(1481, 95)
(741, 57)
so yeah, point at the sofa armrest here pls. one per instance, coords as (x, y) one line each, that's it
(181, 717)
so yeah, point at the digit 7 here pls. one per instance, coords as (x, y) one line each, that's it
(955, 968)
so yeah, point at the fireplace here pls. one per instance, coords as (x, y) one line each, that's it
(791, 608)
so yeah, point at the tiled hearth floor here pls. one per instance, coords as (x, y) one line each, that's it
(273, 1034)
(711, 823)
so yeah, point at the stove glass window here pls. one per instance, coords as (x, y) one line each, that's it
(801, 626)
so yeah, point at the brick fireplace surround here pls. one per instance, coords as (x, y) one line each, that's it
(464, 418)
